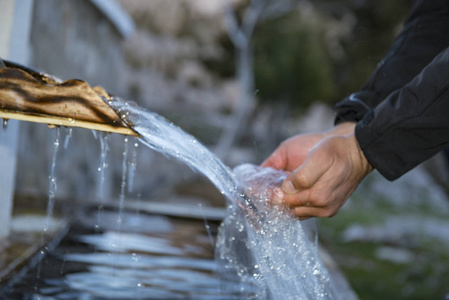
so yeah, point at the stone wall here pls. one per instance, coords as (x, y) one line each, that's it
(74, 39)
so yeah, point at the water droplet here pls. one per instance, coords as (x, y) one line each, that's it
(135, 257)
(5, 123)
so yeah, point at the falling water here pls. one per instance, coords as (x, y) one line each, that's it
(132, 166)
(123, 183)
(103, 165)
(166, 138)
(271, 251)
(102, 170)
(67, 138)
(279, 257)
(52, 179)
(50, 204)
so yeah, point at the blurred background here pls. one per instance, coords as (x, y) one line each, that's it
(241, 76)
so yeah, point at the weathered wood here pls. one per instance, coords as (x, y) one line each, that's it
(36, 97)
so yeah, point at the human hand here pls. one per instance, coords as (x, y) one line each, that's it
(325, 168)
(293, 152)
(331, 172)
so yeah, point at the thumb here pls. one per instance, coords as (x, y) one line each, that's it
(307, 174)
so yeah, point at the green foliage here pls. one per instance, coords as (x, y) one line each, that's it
(294, 59)
(291, 63)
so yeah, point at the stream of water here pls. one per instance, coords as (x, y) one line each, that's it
(261, 251)
(260, 247)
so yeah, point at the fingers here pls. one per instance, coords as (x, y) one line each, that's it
(310, 212)
(330, 168)
(292, 152)
(310, 190)
(277, 160)
(303, 198)
(277, 196)
(306, 204)
(315, 166)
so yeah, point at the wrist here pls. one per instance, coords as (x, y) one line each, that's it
(345, 128)
(365, 165)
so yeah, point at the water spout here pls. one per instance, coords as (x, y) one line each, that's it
(28, 95)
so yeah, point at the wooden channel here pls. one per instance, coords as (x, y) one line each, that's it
(31, 96)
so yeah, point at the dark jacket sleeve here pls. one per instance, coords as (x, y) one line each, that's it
(411, 124)
(424, 35)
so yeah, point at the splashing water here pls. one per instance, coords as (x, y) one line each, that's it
(279, 257)
(271, 252)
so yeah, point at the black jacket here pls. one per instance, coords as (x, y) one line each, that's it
(402, 111)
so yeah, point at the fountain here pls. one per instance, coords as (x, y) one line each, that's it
(263, 252)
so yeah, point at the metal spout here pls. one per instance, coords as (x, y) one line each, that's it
(28, 95)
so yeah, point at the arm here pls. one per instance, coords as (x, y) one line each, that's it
(401, 121)
(411, 124)
(424, 35)
(407, 128)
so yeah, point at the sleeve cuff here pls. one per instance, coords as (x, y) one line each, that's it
(353, 108)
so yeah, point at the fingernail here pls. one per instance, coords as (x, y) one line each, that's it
(288, 187)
